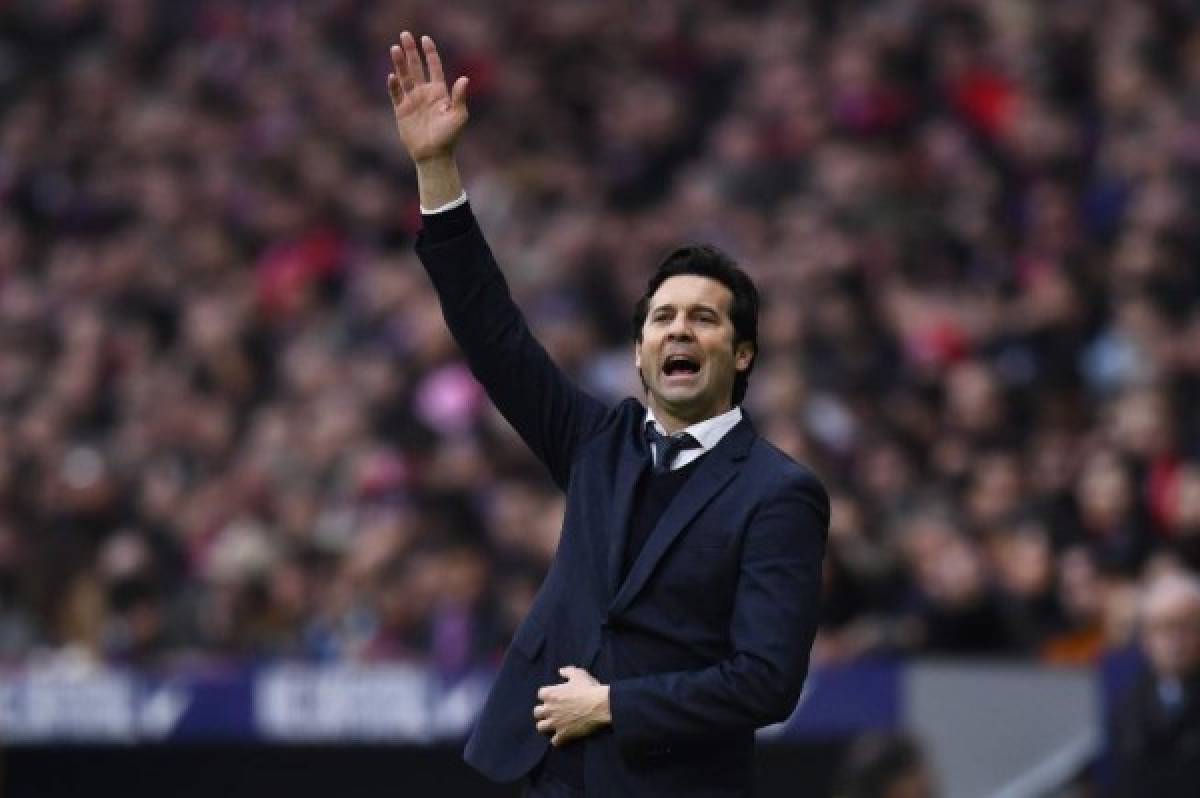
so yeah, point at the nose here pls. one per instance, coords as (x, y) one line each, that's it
(679, 329)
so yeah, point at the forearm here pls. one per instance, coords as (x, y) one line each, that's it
(735, 695)
(438, 181)
(541, 403)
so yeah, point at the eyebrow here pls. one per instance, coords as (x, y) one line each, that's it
(690, 308)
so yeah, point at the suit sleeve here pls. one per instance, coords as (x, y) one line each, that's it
(549, 412)
(772, 629)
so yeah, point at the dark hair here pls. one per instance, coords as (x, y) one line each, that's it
(708, 261)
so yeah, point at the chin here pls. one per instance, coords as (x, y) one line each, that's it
(684, 406)
(680, 397)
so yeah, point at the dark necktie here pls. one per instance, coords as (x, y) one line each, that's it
(668, 447)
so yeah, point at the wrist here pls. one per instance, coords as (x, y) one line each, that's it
(442, 160)
(603, 710)
(438, 181)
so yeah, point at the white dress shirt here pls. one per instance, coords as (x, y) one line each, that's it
(708, 433)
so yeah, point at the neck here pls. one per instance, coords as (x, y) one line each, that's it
(674, 420)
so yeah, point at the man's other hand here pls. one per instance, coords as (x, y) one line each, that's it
(573, 709)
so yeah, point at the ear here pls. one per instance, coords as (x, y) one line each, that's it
(637, 355)
(743, 356)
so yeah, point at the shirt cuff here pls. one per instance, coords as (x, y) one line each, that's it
(449, 221)
(449, 206)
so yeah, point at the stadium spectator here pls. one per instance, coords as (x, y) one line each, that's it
(1158, 730)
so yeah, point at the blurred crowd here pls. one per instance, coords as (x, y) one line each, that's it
(233, 425)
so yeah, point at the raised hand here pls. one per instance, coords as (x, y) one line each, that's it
(429, 117)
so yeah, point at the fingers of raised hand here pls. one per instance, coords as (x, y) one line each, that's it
(398, 67)
(399, 82)
(394, 89)
(433, 60)
(406, 63)
(458, 94)
(409, 73)
(412, 59)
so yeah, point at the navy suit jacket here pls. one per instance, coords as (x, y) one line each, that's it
(708, 636)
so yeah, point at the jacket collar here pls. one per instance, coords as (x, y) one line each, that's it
(708, 433)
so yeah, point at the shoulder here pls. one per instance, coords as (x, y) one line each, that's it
(628, 414)
(780, 466)
(784, 478)
(617, 430)
(631, 408)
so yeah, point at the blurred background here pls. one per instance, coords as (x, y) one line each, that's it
(257, 519)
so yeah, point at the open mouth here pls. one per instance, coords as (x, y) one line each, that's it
(680, 366)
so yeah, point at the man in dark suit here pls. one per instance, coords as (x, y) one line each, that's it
(681, 605)
(1157, 733)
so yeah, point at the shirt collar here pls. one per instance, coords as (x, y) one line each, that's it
(709, 432)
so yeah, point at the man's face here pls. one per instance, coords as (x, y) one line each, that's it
(1171, 635)
(686, 354)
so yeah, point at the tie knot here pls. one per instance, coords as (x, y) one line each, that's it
(668, 447)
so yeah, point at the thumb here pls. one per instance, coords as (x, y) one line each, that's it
(566, 671)
(458, 93)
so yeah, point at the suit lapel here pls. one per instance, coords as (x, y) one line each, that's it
(634, 461)
(715, 470)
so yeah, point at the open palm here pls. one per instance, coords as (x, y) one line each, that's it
(429, 117)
